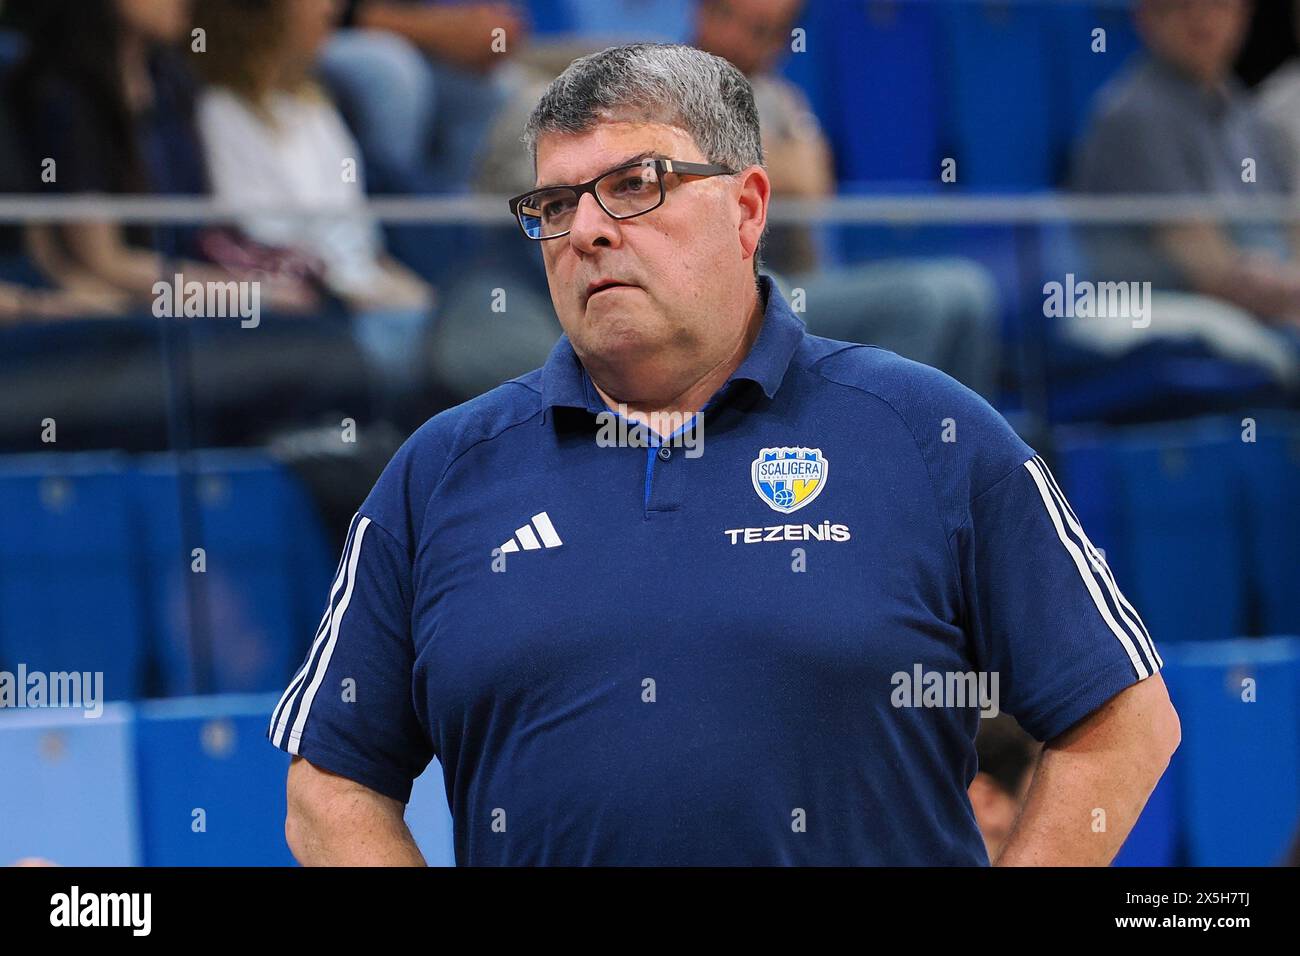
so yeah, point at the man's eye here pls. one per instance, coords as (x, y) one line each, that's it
(631, 184)
(556, 207)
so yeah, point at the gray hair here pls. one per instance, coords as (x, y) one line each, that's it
(697, 92)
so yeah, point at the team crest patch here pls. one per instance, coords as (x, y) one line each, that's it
(788, 478)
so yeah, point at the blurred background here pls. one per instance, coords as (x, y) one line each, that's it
(954, 180)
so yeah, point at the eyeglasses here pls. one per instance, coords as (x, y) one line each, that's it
(630, 190)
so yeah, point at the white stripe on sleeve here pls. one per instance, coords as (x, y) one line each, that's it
(332, 634)
(1134, 622)
(280, 715)
(1124, 636)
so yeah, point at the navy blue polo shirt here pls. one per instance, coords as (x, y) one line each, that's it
(752, 651)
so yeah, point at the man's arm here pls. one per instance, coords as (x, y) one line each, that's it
(461, 34)
(1111, 761)
(1268, 287)
(334, 821)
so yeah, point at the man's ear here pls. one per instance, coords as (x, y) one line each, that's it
(755, 193)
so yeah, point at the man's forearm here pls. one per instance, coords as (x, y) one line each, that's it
(1092, 782)
(463, 34)
(428, 27)
(1079, 810)
(1267, 287)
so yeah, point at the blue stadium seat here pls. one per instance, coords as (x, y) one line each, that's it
(886, 55)
(1270, 471)
(1179, 503)
(210, 755)
(1193, 502)
(69, 580)
(665, 21)
(1239, 763)
(999, 112)
(549, 17)
(69, 794)
(429, 818)
(1081, 71)
(268, 569)
(1085, 467)
(1164, 502)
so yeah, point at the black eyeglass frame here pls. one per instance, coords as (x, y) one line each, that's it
(662, 166)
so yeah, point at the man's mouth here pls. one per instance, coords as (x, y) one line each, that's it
(605, 285)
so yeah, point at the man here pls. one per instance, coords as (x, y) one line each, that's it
(1178, 122)
(940, 310)
(643, 653)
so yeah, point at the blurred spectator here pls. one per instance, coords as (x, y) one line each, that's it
(753, 34)
(417, 82)
(271, 134)
(106, 107)
(21, 294)
(940, 311)
(105, 103)
(1006, 766)
(1179, 122)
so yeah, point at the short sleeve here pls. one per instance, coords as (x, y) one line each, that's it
(349, 709)
(1046, 614)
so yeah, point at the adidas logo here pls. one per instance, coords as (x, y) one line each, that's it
(526, 537)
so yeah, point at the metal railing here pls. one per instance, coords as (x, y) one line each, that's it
(849, 210)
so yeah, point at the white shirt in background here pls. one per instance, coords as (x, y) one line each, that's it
(299, 152)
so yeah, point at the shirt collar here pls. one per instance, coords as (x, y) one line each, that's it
(565, 382)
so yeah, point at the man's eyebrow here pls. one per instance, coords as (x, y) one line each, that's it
(644, 154)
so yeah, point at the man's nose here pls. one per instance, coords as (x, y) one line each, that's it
(592, 226)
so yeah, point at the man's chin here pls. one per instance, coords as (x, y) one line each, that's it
(625, 337)
(627, 317)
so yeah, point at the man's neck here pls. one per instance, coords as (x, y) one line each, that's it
(697, 394)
